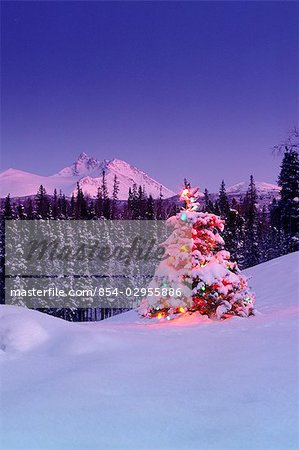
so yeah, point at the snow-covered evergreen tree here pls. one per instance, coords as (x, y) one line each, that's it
(7, 213)
(15, 264)
(114, 198)
(197, 274)
(42, 203)
(251, 226)
(289, 203)
(105, 196)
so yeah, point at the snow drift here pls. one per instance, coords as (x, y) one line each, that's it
(127, 383)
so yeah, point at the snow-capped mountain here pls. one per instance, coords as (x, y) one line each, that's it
(86, 171)
(266, 192)
(85, 165)
(261, 187)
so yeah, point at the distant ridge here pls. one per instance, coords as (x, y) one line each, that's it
(87, 171)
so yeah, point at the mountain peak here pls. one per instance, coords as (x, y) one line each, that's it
(91, 170)
(87, 171)
(84, 165)
(261, 187)
(265, 192)
(119, 165)
(83, 155)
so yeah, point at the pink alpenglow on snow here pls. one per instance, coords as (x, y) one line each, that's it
(87, 171)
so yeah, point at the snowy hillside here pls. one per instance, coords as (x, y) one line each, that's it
(88, 172)
(130, 384)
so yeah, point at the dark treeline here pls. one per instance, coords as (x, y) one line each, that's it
(252, 234)
(55, 206)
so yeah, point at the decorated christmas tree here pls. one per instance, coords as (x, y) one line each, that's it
(196, 273)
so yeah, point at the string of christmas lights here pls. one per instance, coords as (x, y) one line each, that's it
(199, 266)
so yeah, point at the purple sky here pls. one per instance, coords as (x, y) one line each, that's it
(201, 90)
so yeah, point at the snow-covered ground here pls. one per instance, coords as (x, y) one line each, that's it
(127, 384)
